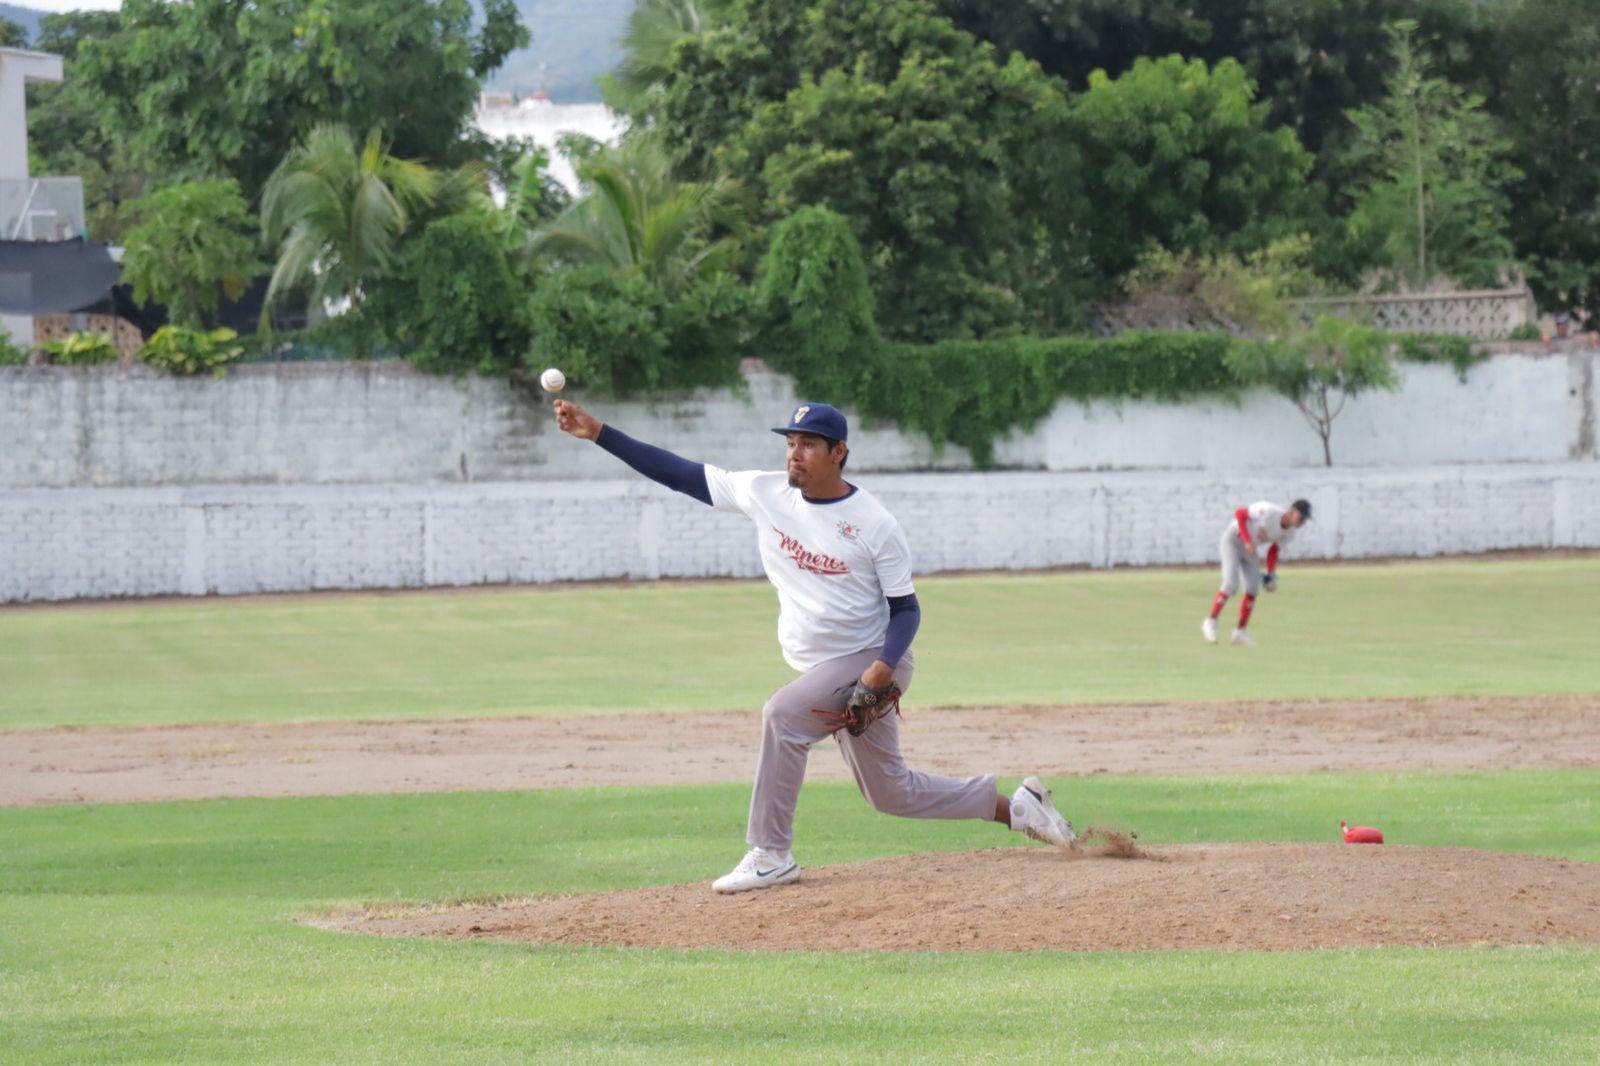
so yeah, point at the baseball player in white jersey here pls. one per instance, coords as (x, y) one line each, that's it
(1261, 525)
(847, 615)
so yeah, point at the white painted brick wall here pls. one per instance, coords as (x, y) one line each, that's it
(383, 423)
(60, 544)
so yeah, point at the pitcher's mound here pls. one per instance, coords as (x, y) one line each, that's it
(1247, 896)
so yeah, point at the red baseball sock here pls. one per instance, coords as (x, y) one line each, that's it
(1218, 604)
(1245, 605)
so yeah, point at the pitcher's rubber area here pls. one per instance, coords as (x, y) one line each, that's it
(127, 765)
(1243, 896)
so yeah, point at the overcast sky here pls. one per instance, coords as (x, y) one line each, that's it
(68, 5)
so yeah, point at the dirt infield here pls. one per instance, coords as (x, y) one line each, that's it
(126, 765)
(1257, 897)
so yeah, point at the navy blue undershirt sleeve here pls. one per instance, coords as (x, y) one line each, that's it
(905, 615)
(657, 464)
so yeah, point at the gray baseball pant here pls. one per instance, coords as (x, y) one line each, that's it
(789, 728)
(1238, 563)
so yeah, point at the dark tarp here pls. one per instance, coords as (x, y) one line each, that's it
(54, 277)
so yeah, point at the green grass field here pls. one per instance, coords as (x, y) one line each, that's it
(1506, 627)
(148, 933)
(156, 932)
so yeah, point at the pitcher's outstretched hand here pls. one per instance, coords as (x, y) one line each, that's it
(575, 420)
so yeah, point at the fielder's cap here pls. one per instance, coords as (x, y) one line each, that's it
(818, 418)
(1304, 507)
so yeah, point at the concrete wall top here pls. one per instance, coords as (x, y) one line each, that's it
(383, 422)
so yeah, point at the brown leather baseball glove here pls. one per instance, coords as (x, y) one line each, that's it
(866, 705)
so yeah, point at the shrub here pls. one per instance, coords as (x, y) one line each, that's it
(11, 353)
(452, 304)
(620, 335)
(81, 349)
(181, 350)
(815, 304)
(1462, 353)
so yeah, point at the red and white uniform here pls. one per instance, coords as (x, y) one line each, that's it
(1260, 526)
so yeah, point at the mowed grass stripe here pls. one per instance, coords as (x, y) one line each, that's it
(154, 932)
(1449, 628)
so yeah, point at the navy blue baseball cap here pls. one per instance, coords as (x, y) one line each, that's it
(818, 418)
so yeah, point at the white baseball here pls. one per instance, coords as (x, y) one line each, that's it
(553, 380)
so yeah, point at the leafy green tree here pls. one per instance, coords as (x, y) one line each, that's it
(1544, 96)
(334, 214)
(188, 242)
(213, 88)
(1320, 369)
(451, 302)
(67, 134)
(1435, 170)
(948, 164)
(1177, 154)
(1312, 59)
(12, 34)
(637, 218)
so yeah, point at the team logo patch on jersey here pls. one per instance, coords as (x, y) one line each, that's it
(800, 412)
(848, 531)
(808, 560)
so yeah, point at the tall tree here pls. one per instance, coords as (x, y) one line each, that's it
(1312, 59)
(1178, 155)
(1434, 170)
(214, 88)
(948, 164)
(334, 213)
(1545, 96)
(12, 34)
(67, 134)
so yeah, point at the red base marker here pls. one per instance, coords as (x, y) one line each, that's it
(1361, 834)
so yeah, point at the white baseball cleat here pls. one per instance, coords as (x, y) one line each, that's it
(1208, 629)
(1033, 813)
(759, 868)
(1241, 637)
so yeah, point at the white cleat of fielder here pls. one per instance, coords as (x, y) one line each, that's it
(759, 868)
(1208, 629)
(1033, 813)
(1241, 637)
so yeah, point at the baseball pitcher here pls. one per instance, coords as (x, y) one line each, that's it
(1261, 525)
(847, 617)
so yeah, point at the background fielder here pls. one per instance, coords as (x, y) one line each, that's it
(1262, 524)
(848, 613)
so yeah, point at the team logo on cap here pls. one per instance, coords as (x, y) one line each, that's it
(800, 412)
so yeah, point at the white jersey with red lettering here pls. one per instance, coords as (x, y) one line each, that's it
(833, 562)
(1265, 522)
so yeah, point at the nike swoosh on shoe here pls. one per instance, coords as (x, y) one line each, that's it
(775, 870)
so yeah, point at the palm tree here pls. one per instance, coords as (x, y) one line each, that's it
(636, 218)
(653, 29)
(334, 214)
